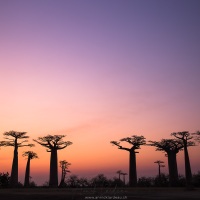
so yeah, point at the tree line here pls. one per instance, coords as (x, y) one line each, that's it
(53, 143)
(180, 141)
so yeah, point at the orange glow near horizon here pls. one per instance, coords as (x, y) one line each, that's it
(91, 158)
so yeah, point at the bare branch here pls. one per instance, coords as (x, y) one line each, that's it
(115, 143)
(26, 145)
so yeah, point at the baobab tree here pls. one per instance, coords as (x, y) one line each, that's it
(53, 143)
(64, 169)
(197, 136)
(159, 162)
(119, 172)
(124, 177)
(184, 137)
(31, 155)
(136, 142)
(171, 147)
(13, 138)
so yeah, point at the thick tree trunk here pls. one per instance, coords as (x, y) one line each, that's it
(53, 182)
(132, 169)
(188, 172)
(27, 174)
(173, 169)
(62, 181)
(14, 171)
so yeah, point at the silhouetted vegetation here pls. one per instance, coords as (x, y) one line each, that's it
(185, 136)
(31, 155)
(53, 143)
(4, 180)
(136, 142)
(64, 167)
(171, 147)
(12, 140)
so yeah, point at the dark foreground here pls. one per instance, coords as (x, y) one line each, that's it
(100, 193)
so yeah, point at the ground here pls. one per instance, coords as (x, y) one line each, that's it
(100, 194)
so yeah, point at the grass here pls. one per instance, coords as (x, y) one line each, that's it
(100, 193)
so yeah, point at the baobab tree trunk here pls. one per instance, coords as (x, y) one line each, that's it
(62, 179)
(132, 169)
(14, 171)
(188, 172)
(27, 174)
(173, 169)
(53, 182)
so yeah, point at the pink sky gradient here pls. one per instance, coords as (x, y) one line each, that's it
(99, 71)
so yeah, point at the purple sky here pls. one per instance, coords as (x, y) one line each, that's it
(120, 67)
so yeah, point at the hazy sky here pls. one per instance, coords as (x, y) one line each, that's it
(99, 71)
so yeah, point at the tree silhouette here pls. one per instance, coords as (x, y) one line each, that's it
(136, 142)
(13, 141)
(124, 177)
(185, 136)
(31, 155)
(171, 147)
(159, 162)
(53, 143)
(64, 167)
(119, 172)
(197, 136)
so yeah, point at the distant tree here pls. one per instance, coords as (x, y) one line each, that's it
(196, 179)
(185, 136)
(31, 155)
(119, 172)
(32, 184)
(197, 136)
(73, 181)
(13, 137)
(136, 142)
(159, 162)
(53, 143)
(162, 181)
(100, 181)
(64, 169)
(145, 181)
(4, 180)
(83, 182)
(171, 147)
(45, 184)
(124, 177)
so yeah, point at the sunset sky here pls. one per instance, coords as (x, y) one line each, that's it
(99, 71)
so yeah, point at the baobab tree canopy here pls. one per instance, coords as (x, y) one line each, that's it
(184, 136)
(171, 147)
(167, 145)
(14, 138)
(53, 142)
(135, 141)
(30, 154)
